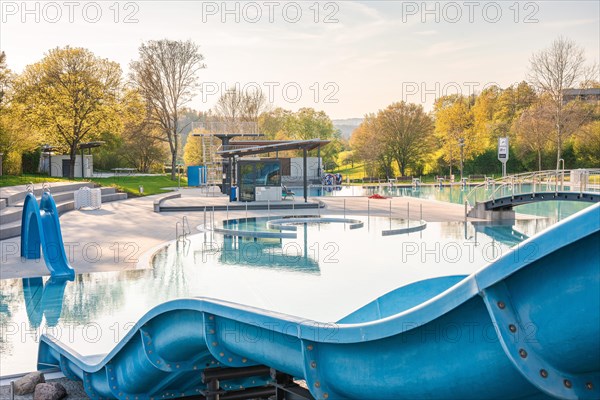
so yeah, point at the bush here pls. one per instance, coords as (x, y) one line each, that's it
(31, 161)
(11, 163)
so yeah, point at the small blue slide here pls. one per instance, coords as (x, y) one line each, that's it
(40, 228)
(527, 326)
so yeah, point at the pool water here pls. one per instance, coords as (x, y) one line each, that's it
(323, 274)
(456, 194)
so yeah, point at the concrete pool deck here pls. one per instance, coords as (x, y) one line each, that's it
(122, 234)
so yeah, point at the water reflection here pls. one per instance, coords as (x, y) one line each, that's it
(502, 232)
(269, 253)
(44, 299)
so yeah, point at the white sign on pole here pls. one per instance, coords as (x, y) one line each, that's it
(503, 153)
(503, 149)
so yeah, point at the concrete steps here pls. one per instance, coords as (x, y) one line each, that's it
(10, 216)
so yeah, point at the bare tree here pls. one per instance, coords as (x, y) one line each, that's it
(239, 110)
(166, 75)
(561, 66)
(534, 128)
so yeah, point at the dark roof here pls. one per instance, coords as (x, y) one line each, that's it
(270, 146)
(581, 92)
(90, 145)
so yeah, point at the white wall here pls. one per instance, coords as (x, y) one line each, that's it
(57, 161)
(312, 164)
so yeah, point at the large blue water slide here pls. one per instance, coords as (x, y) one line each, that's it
(40, 229)
(532, 319)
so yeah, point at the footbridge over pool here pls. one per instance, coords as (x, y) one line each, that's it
(495, 199)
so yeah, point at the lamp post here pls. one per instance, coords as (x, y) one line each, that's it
(461, 143)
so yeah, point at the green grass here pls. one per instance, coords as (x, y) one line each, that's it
(129, 184)
(15, 180)
(358, 172)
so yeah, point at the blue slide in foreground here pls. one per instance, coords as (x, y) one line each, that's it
(526, 326)
(40, 228)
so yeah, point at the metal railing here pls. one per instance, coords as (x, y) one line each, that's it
(577, 180)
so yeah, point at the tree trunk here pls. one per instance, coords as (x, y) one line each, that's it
(539, 160)
(72, 158)
(558, 151)
(173, 164)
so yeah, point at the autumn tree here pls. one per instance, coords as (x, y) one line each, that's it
(534, 130)
(166, 76)
(454, 129)
(273, 123)
(553, 70)
(370, 149)
(142, 146)
(15, 136)
(587, 144)
(69, 96)
(406, 131)
(5, 77)
(192, 151)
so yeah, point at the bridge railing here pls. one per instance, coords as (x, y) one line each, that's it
(577, 180)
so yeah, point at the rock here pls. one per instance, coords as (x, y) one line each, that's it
(49, 391)
(27, 384)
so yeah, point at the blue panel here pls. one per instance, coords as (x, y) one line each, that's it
(193, 176)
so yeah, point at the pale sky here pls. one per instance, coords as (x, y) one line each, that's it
(347, 58)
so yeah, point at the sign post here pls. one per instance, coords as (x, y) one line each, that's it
(503, 153)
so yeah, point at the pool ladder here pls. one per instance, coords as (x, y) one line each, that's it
(182, 230)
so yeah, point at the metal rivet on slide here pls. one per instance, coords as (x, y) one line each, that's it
(568, 384)
(523, 353)
(512, 328)
(501, 305)
(589, 386)
(543, 373)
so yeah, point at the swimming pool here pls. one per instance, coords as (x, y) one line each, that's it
(456, 194)
(326, 272)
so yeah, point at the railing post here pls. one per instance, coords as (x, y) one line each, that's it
(390, 213)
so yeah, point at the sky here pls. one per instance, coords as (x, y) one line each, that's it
(344, 57)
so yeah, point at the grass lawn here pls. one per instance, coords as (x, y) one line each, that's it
(358, 172)
(128, 184)
(12, 180)
(131, 184)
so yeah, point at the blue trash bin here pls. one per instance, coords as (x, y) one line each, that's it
(233, 193)
(193, 174)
